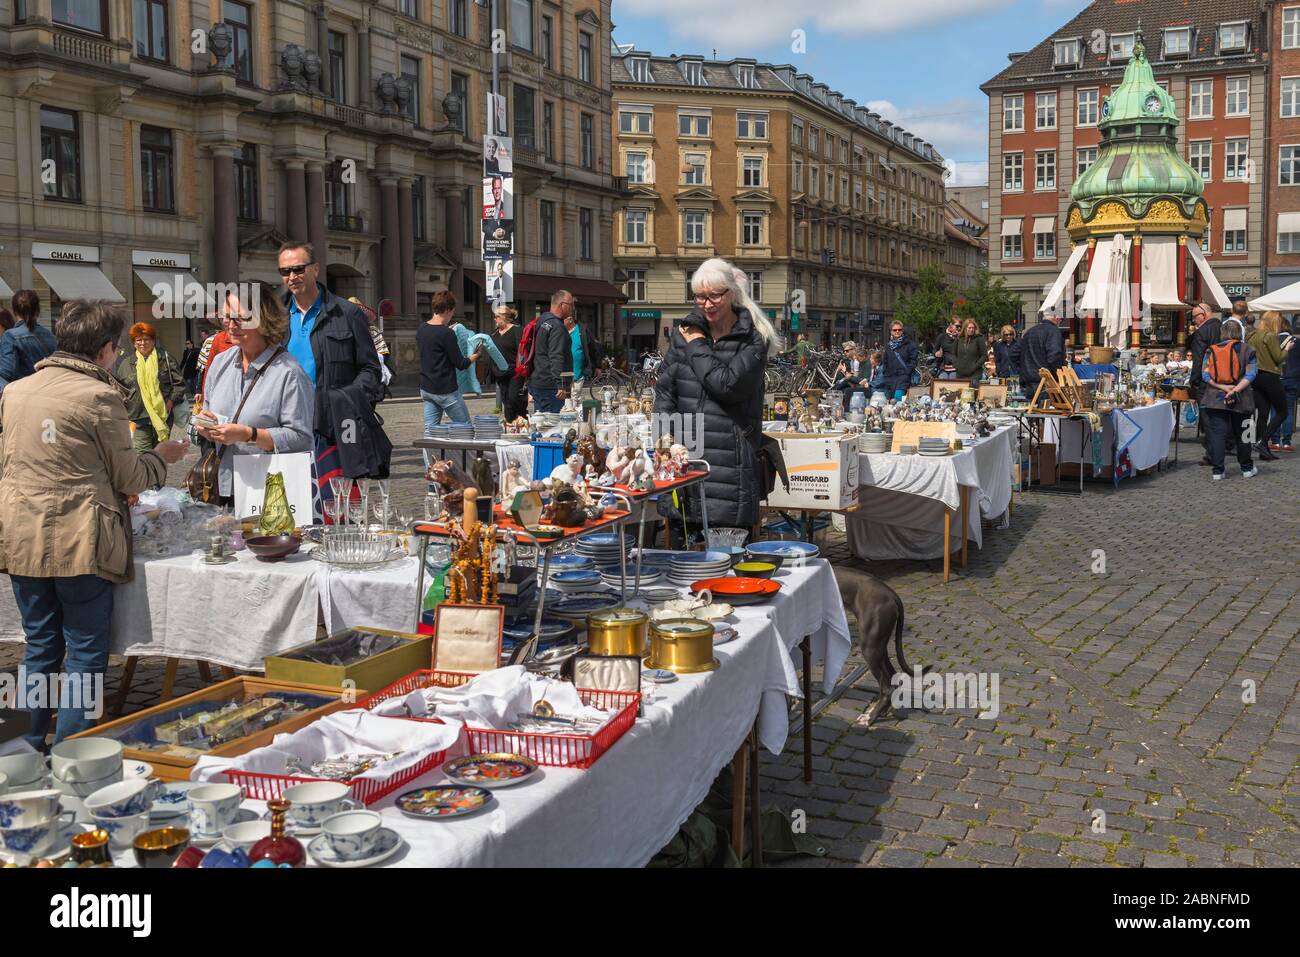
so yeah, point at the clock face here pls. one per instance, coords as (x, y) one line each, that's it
(1152, 103)
(1105, 109)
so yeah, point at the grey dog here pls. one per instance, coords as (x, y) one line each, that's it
(879, 611)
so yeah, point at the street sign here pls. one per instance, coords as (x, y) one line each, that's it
(794, 321)
(643, 314)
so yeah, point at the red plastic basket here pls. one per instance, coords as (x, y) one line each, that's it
(554, 750)
(264, 787)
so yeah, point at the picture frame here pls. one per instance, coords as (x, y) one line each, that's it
(467, 638)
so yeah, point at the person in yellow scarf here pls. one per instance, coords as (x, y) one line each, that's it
(154, 386)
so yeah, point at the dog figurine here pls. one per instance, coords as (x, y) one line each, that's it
(879, 611)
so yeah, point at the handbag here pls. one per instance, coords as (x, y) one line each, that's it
(203, 480)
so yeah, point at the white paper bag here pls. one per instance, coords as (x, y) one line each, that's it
(250, 482)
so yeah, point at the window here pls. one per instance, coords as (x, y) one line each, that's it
(844, 189)
(1045, 246)
(1200, 156)
(635, 119)
(584, 57)
(460, 86)
(1088, 103)
(246, 195)
(1238, 96)
(151, 29)
(1121, 47)
(548, 38)
(830, 185)
(239, 18)
(1290, 95)
(586, 241)
(547, 219)
(751, 229)
(1200, 100)
(1288, 242)
(525, 129)
(1013, 113)
(753, 173)
(1234, 240)
(409, 8)
(796, 131)
(1178, 41)
(755, 285)
(1012, 247)
(587, 140)
(693, 71)
(1209, 231)
(813, 139)
(815, 180)
(635, 285)
(1045, 169)
(1084, 157)
(1045, 116)
(830, 147)
(693, 227)
(1232, 37)
(411, 71)
(1288, 165)
(745, 76)
(338, 196)
(693, 124)
(634, 227)
(89, 15)
(1067, 53)
(635, 167)
(639, 67)
(419, 221)
(470, 197)
(548, 129)
(458, 17)
(521, 24)
(1013, 171)
(1234, 159)
(751, 126)
(797, 185)
(156, 166)
(694, 169)
(61, 142)
(338, 67)
(1290, 28)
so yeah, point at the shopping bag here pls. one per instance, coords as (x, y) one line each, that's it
(251, 472)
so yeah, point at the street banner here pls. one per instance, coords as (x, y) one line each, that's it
(498, 208)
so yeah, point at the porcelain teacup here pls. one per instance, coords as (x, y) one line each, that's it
(123, 798)
(352, 835)
(122, 831)
(213, 807)
(27, 808)
(246, 833)
(83, 789)
(312, 803)
(34, 839)
(79, 760)
(23, 769)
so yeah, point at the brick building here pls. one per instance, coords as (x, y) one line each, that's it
(967, 243)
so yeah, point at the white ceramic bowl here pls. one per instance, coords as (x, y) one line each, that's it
(352, 834)
(122, 799)
(78, 760)
(23, 768)
(246, 833)
(83, 789)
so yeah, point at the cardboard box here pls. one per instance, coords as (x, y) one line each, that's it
(823, 470)
(373, 673)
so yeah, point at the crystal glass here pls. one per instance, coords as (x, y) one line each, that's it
(432, 507)
(341, 486)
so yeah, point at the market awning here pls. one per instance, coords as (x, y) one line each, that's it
(1234, 218)
(77, 280)
(1044, 224)
(535, 284)
(1012, 226)
(4, 289)
(1209, 284)
(1065, 278)
(1160, 271)
(1286, 299)
(167, 284)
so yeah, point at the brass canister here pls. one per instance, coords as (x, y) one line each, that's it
(618, 631)
(682, 645)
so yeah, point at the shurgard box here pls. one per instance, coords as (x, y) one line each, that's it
(823, 470)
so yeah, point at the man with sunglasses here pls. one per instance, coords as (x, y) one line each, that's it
(1209, 330)
(552, 362)
(330, 338)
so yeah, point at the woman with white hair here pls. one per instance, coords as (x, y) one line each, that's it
(712, 379)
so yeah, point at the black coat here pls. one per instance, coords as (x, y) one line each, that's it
(1206, 335)
(722, 381)
(1041, 347)
(552, 353)
(1007, 356)
(900, 363)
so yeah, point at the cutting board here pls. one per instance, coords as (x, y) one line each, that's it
(910, 433)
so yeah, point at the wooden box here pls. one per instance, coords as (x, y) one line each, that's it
(377, 671)
(173, 762)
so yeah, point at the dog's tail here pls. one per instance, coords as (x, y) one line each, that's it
(898, 639)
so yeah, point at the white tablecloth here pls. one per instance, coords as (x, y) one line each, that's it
(1144, 432)
(902, 498)
(237, 614)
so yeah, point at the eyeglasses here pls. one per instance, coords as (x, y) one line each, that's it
(297, 270)
(712, 298)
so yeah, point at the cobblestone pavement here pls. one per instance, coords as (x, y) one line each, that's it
(1121, 691)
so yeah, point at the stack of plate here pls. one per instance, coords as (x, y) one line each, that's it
(603, 549)
(689, 567)
(569, 563)
(791, 554)
(577, 580)
(487, 428)
(610, 575)
(932, 445)
(436, 432)
(461, 431)
(874, 442)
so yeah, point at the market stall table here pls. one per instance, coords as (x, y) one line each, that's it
(1136, 439)
(906, 503)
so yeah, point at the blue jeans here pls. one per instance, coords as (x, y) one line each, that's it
(1292, 396)
(436, 405)
(545, 400)
(64, 615)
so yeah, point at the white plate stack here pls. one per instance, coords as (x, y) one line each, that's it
(873, 443)
(690, 567)
(649, 576)
(931, 445)
(487, 428)
(603, 549)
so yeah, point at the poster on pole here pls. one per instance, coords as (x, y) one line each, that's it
(498, 207)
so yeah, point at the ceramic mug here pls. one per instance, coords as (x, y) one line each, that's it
(312, 803)
(26, 808)
(122, 831)
(83, 789)
(123, 798)
(352, 835)
(245, 834)
(23, 769)
(34, 839)
(78, 760)
(213, 807)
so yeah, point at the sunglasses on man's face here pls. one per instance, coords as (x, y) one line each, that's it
(297, 270)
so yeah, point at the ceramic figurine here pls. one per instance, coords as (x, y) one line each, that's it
(512, 480)
(569, 471)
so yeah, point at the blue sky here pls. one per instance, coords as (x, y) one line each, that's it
(917, 62)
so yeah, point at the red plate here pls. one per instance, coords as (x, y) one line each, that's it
(738, 587)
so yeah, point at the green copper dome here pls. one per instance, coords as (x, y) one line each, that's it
(1138, 161)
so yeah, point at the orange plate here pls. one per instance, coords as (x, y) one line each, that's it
(727, 587)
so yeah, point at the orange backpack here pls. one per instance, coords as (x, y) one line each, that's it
(1223, 361)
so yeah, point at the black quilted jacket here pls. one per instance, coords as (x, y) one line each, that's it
(722, 381)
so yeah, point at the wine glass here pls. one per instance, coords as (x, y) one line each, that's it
(432, 507)
(357, 513)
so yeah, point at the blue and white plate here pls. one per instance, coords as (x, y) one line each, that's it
(575, 577)
(701, 558)
(171, 801)
(790, 551)
(520, 627)
(655, 557)
(387, 844)
(561, 563)
(584, 603)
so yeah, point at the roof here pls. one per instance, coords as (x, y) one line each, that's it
(953, 232)
(1104, 18)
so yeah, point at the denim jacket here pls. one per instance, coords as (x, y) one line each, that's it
(20, 349)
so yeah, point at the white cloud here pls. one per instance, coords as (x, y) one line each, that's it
(764, 22)
(958, 129)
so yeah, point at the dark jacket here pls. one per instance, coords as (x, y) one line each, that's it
(348, 384)
(21, 348)
(1041, 347)
(967, 356)
(508, 343)
(190, 361)
(552, 353)
(170, 383)
(900, 363)
(1007, 357)
(721, 381)
(1205, 336)
(1291, 371)
(1212, 398)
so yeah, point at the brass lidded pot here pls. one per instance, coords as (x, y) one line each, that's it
(618, 631)
(682, 645)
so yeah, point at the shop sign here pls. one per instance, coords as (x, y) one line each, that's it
(1243, 290)
(163, 260)
(643, 314)
(75, 254)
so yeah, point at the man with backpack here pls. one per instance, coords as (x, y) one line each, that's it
(546, 354)
(1228, 401)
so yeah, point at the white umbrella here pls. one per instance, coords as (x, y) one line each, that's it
(1286, 299)
(1117, 315)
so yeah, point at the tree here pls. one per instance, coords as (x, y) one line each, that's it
(990, 303)
(927, 310)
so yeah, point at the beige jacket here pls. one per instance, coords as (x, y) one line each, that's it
(66, 464)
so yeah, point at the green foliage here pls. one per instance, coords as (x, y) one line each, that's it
(927, 310)
(990, 303)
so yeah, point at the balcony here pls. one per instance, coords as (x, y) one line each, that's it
(350, 115)
(81, 47)
(345, 224)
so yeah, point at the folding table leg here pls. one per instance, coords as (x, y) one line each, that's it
(947, 543)
(227, 673)
(204, 671)
(756, 804)
(738, 799)
(965, 523)
(806, 647)
(128, 673)
(169, 679)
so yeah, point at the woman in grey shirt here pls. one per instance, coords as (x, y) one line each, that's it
(277, 415)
